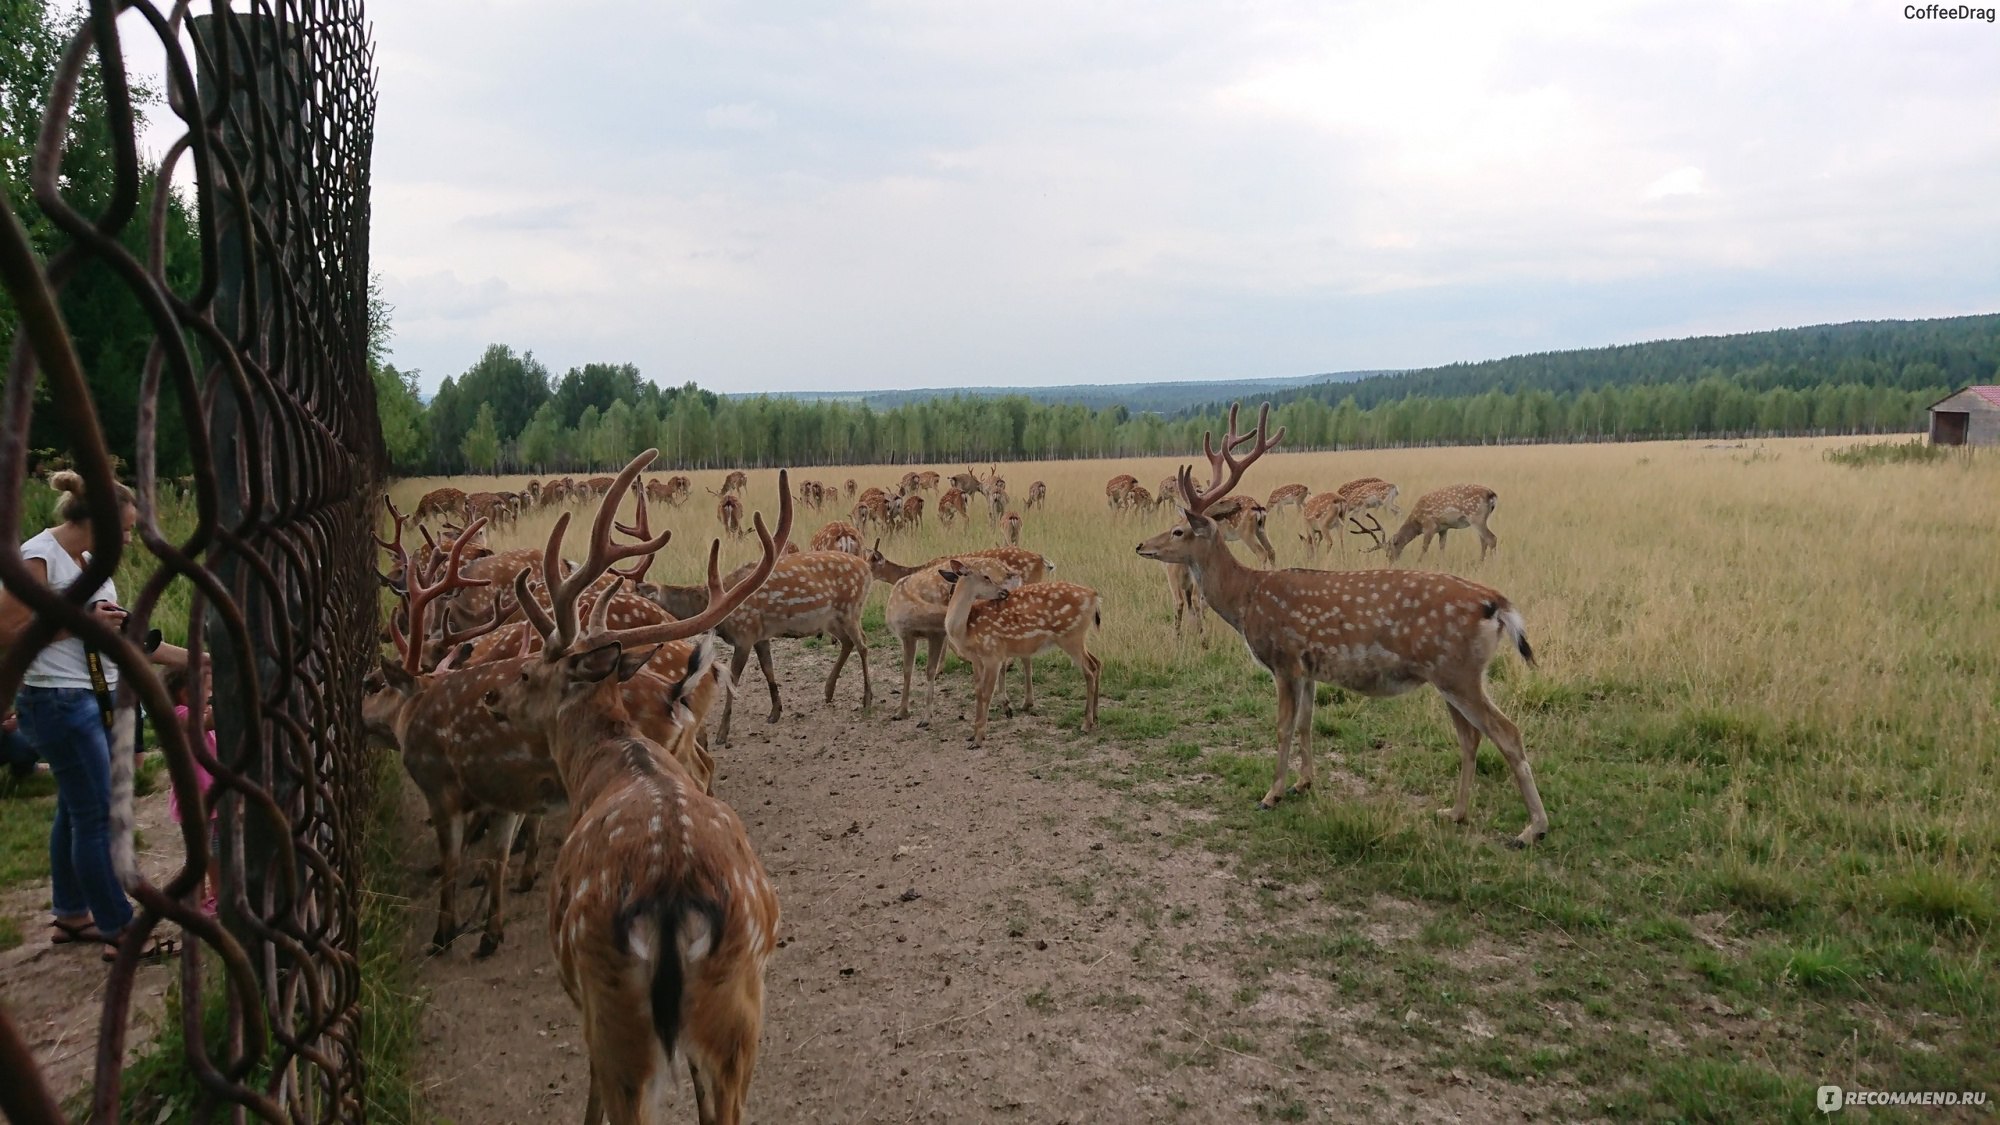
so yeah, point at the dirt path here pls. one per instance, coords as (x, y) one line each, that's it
(966, 940)
(56, 992)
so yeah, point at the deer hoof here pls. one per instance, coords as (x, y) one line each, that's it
(1452, 815)
(1266, 806)
(439, 943)
(488, 945)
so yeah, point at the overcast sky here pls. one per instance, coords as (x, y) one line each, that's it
(766, 196)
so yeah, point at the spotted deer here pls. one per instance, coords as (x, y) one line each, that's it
(1376, 632)
(1242, 519)
(997, 499)
(916, 608)
(1038, 497)
(993, 618)
(816, 593)
(950, 506)
(1187, 597)
(736, 481)
(1116, 488)
(1011, 525)
(729, 510)
(838, 536)
(661, 916)
(1446, 509)
(913, 512)
(1292, 494)
(968, 482)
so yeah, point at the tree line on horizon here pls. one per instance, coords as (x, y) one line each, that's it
(509, 413)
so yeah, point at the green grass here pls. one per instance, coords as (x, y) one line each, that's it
(158, 1084)
(1683, 887)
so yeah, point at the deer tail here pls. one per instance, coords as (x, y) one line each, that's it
(1512, 626)
(672, 933)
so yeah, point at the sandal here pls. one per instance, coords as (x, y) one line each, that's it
(70, 933)
(157, 948)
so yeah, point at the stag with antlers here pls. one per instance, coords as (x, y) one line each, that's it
(1376, 632)
(661, 915)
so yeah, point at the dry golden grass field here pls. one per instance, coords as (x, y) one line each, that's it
(1766, 724)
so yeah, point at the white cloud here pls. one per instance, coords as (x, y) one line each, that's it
(1685, 180)
(743, 116)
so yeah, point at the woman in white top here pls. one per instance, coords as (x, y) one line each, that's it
(62, 714)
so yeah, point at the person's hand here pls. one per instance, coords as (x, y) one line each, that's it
(10, 722)
(110, 614)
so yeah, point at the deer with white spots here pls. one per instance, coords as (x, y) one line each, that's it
(1447, 509)
(1038, 496)
(993, 618)
(1293, 494)
(1011, 526)
(1242, 520)
(815, 593)
(1376, 632)
(950, 506)
(729, 511)
(917, 599)
(838, 536)
(661, 915)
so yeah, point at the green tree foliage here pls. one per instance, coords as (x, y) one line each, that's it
(481, 446)
(620, 413)
(111, 332)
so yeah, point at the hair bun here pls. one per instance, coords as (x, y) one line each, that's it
(67, 480)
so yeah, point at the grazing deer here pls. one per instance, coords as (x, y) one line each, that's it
(1376, 632)
(913, 512)
(993, 618)
(816, 593)
(850, 486)
(440, 502)
(1293, 494)
(1241, 519)
(1446, 509)
(736, 481)
(729, 510)
(1138, 499)
(1365, 493)
(907, 486)
(928, 480)
(951, 505)
(968, 482)
(1038, 496)
(838, 536)
(1169, 492)
(1116, 488)
(997, 499)
(598, 486)
(917, 599)
(1011, 524)
(872, 507)
(661, 916)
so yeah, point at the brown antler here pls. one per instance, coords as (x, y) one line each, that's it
(721, 602)
(1374, 532)
(1224, 468)
(419, 592)
(643, 531)
(558, 625)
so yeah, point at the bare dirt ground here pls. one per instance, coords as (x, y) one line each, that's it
(968, 940)
(56, 992)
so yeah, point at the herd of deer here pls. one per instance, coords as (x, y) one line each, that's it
(524, 681)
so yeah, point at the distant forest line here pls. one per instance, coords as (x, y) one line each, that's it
(508, 413)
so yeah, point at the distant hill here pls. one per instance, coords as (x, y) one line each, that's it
(1139, 398)
(1902, 354)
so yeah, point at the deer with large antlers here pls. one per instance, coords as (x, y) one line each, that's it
(1447, 509)
(661, 916)
(993, 618)
(1376, 632)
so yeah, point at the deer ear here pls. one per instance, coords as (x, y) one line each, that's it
(632, 663)
(593, 666)
(1013, 582)
(398, 680)
(948, 575)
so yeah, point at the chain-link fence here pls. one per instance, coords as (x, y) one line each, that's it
(261, 355)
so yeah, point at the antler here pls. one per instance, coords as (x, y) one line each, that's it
(1375, 531)
(643, 532)
(1224, 468)
(419, 592)
(721, 602)
(558, 625)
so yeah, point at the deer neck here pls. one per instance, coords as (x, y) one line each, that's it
(587, 741)
(958, 613)
(1225, 583)
(893, 573)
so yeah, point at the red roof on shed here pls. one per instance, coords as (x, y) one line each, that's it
(1990, 394)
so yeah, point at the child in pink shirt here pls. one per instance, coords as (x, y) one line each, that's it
(177, 684)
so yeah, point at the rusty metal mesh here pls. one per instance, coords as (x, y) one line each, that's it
(266, 356)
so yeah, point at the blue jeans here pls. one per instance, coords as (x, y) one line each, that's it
(66, 725)
(17, 753)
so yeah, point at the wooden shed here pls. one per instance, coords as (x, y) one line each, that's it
(1970, 417)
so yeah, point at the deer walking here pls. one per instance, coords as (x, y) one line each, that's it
(1447, 509)
(1376, 632)
(661, 915)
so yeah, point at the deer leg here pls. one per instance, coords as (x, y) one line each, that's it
(1287, 708)
(703, 1111)
(531, 831)
(737, 660)
(1092, 667)
(989, 679)
(1302, 723)
(933, 665)
(839, 662)
(764, 665)
(861, 647)
(450, 825)
(909, 671)
(496, 885)
(1468, 762)
(593, 1106)
(1487, 542)
(1027, 685)
(1480, 711)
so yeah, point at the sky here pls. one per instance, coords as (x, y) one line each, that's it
(842, 196)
